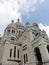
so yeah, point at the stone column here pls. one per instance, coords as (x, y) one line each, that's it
(44, 54)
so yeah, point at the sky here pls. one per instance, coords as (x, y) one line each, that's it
(26, 10)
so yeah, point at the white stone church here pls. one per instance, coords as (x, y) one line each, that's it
(24, 45)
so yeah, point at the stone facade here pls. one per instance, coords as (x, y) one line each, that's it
(24, 45)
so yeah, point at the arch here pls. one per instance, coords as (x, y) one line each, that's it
(13, 31)
(18, 53)
(48, 48)
(38, 55)
(8, 30)
(13, 38)
(10, 53)
(14, 51)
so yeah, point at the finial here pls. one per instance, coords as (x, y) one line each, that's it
(0, 34)
(27, 24)
(12, 21)
(18, 20)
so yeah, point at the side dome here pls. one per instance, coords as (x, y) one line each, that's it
(11, 25)
(35, 24)
(10, 32)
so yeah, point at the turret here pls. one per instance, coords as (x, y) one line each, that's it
(10, 33)
(35, 26)
(44, 35)
(27, 26)
(20, 28)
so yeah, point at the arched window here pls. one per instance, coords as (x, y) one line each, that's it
(13, 31)
(25, 58)
(19, 32)
(12, 38)
(8, 30)
(10, 52)
(38, 55)
(18, 53)
(14, 51)
(48, 48)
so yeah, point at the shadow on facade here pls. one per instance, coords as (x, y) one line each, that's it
(38, 56)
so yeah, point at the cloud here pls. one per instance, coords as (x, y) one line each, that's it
(46, 28)
(41, 1)
(28, 5)
(13, 9)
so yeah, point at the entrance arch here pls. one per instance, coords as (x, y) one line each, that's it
(48, 48)
(38, 55)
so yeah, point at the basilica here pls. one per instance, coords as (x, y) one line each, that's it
(24, 45)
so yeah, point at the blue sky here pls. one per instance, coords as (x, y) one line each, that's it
(41, 15)
(26, 10)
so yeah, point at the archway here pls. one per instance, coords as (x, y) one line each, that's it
(38, 55)
(48, 48)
